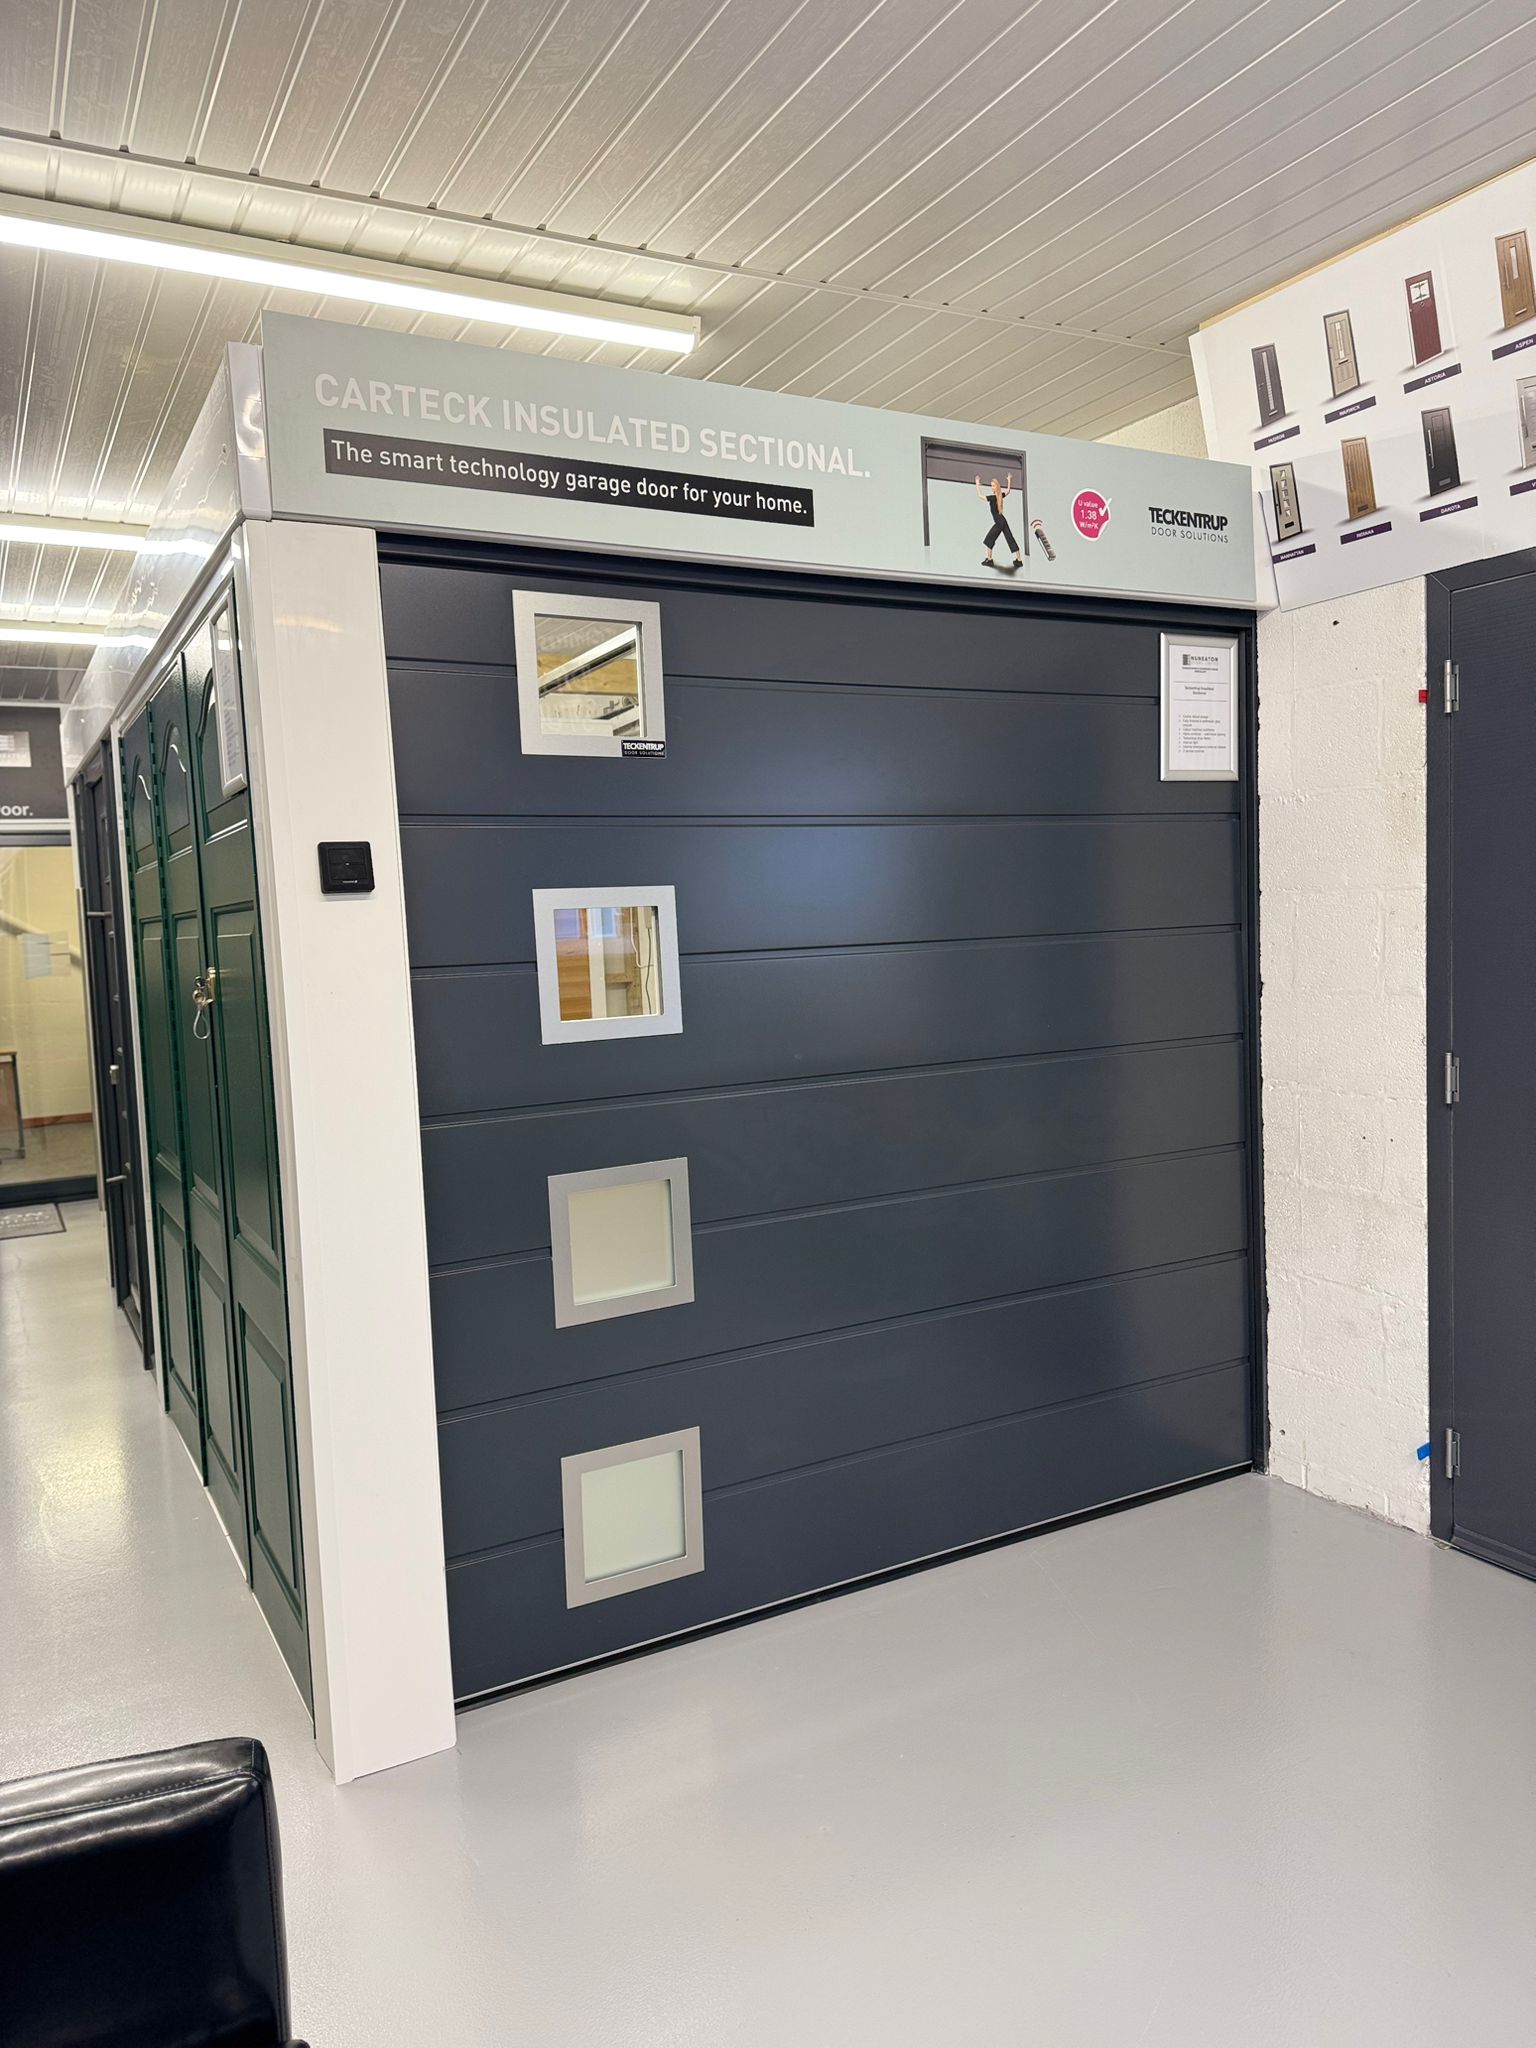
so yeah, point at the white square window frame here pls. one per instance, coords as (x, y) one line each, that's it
(558, 1030)
(528, 606)
(569, 1312)
(580, 1591)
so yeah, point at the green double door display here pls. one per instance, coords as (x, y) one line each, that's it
(214, 1197)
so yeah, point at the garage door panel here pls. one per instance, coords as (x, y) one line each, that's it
(791, 1406)
(768, 1279)
(776, 1017)
(772, 750)
(919, 640)
(789, 1147)
(756, 888)
(963, 1085)
(770, 1541)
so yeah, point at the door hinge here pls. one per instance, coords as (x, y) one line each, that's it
(1452, 1080)
(1453, 1454)
(1452, 688)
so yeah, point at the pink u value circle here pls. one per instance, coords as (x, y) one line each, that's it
(1090, 514)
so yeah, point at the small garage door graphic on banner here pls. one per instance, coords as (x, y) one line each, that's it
(1386, 403)
(405, 431)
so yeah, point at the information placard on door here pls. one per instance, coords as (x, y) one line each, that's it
(1199, 708)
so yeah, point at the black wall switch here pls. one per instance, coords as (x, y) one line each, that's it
(346, 867)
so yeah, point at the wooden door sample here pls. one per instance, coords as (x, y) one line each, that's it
(1517, 289)
(1423, 316)
(1359, 485)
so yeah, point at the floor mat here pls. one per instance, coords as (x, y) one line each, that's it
(41, 1220)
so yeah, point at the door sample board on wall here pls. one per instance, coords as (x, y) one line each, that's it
(1517, 288)
(1482, 1015)
(1342, 367)
(1423, 316)
(1359, 484)
(1438, 313)
(1440, 450)
(962, 1086)
(1282, 485)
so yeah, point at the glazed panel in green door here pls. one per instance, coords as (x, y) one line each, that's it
(162, 1108)
(171, 734)
(242, 1058)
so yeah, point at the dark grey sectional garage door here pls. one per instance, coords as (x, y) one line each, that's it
(963, 1085)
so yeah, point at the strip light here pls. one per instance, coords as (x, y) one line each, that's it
(49, 636)
(47, 533)
(281, 266)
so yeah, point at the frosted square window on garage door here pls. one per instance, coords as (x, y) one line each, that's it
(633, 1516)
(607, 961)
(588, 672)
(621, 1240)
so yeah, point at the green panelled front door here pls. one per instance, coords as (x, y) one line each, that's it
(174, 739)
(212, 1121)
(162, 1106)
(255, 1299)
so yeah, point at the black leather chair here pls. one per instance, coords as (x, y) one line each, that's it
(141, 1904)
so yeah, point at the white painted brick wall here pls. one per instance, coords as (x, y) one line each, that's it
(1341, 1023)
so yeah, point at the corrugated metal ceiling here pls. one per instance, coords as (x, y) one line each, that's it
(1004, 212)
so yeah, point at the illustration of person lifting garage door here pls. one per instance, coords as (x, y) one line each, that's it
(995, 495)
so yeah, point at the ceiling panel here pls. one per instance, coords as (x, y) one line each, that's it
(1007, 210)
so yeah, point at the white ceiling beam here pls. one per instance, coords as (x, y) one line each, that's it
(56, 226)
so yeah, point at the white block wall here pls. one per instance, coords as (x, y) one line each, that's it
(1341, 1027)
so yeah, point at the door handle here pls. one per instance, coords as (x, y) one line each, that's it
(205, 993)
(115, 1180)
(115, 1073)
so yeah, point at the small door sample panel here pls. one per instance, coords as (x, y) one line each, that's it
(1359, 485)
(927, 1218)
(1266, 378)
(1440, 450)
(1525, 398)
(1423, 316)
(1282, 484)
(1342, 367)
(1517, 290)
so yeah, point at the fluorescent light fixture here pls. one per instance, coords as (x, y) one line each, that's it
(44, 532)
(371, 281)
(50, 636)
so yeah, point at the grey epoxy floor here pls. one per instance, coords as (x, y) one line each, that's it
(1240, 1768)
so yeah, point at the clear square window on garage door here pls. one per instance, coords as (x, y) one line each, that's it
(607, 962)
(588, 672)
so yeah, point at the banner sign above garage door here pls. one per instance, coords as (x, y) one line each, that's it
(384, 429)
(1387, 401)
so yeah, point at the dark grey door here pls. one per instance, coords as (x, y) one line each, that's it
(1266, 378)
(1483, 1015)
(961, 1085)
(111, 1037)
(1440, 450)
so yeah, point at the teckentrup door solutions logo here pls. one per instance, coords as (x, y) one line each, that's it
(1172, 522)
